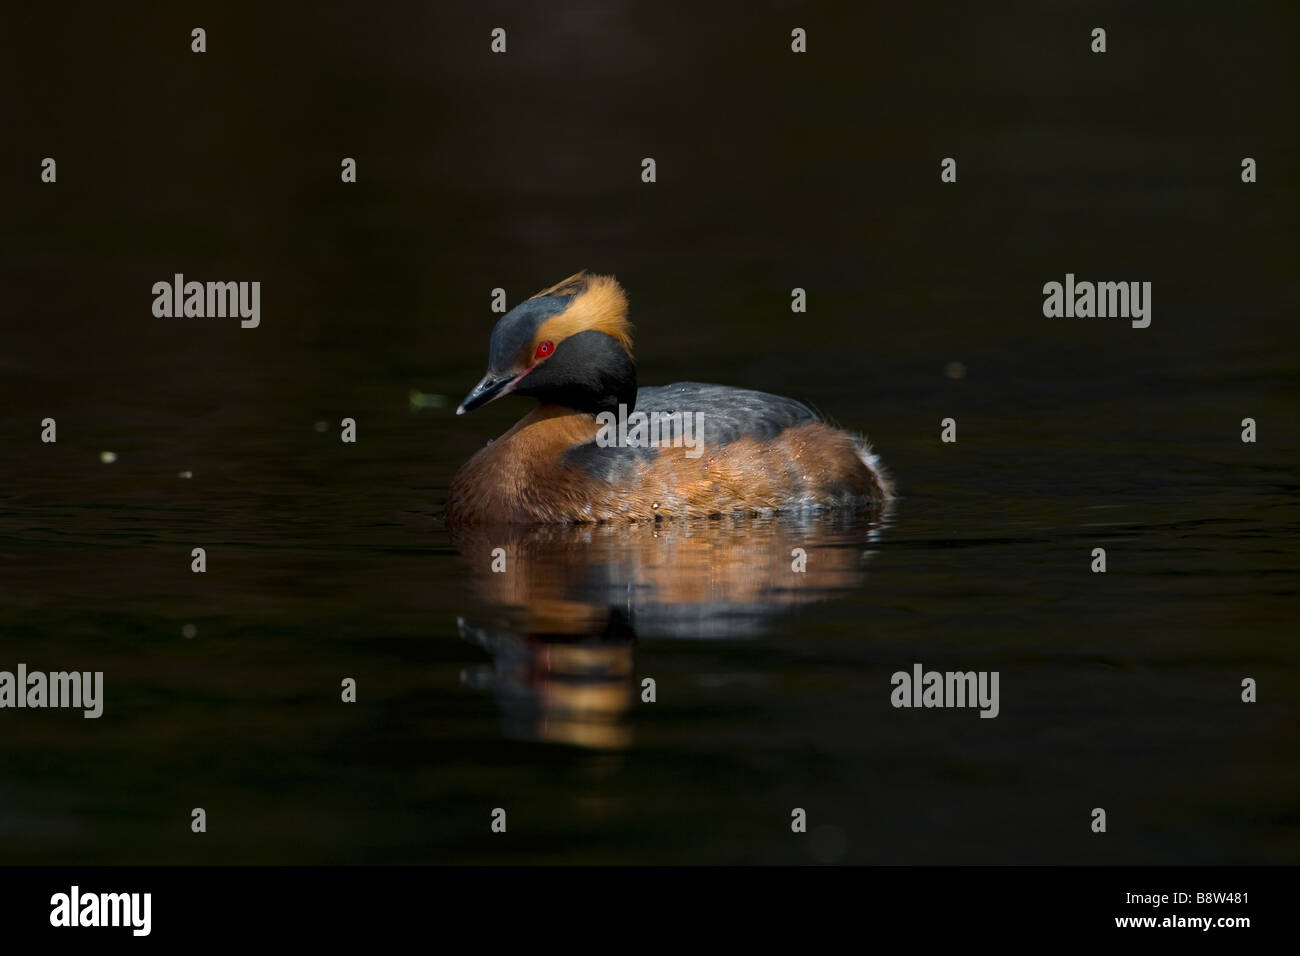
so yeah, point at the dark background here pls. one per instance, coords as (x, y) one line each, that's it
(775, 170)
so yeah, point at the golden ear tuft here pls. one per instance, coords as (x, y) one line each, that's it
(573, 285)
(599, 303)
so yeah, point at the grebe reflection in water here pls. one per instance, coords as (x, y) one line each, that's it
(573, 600)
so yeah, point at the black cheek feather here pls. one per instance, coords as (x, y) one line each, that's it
(588, 372)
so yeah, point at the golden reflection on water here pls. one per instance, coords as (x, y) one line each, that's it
(576, 598)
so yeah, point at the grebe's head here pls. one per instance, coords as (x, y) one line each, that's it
(568, 345)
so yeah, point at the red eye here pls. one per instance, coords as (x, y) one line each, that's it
(545, 349)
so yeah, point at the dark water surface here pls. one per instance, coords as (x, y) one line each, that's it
(523, 690)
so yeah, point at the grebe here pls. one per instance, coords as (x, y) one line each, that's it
(570, 347)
